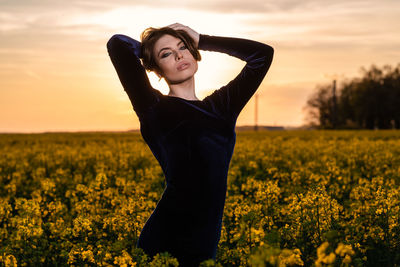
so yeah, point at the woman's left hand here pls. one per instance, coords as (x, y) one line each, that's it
(195, 35)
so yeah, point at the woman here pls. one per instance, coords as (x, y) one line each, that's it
(192, 139)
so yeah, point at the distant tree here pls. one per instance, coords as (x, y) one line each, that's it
(369, 102)
(320, 107)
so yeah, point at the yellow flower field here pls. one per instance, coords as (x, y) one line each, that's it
(295, 198)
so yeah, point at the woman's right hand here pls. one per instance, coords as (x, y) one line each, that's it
(195, 35)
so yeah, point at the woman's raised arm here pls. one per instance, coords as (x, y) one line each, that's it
(234, 96)
(125, 53)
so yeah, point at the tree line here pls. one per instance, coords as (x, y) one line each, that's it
(369, 102)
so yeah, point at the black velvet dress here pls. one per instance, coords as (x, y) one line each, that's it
(193, 140)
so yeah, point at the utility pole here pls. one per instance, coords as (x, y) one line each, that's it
(256, 112)
(333, 108)
(334, 105)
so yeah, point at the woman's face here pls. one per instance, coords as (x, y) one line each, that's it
(173, 58)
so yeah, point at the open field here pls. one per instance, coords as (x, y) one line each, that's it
(298, 197)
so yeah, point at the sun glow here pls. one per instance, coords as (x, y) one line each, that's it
(55, 72)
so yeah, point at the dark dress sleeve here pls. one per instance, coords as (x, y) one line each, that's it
(232, 97)
(125, 54)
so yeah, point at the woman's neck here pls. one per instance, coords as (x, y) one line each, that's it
(185, 89)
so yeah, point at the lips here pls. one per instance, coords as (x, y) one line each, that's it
(183, 65)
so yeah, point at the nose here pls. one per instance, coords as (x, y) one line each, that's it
(178, 55)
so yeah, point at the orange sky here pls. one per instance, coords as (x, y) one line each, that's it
(55, 73)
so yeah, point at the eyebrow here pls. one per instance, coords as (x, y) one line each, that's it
(168, 47)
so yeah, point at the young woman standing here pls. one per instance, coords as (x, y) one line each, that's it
(192, 139)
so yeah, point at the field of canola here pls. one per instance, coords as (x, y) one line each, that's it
(295, 198)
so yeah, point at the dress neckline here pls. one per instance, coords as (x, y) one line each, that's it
(183, 98)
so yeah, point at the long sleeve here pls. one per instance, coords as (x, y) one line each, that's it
(125, 53)
(231, 98)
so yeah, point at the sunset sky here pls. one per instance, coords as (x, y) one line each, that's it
(55, 73)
